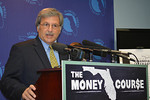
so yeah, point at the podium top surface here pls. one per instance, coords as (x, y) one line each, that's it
(49, 70)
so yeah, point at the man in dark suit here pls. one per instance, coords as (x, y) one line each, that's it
(26, 58)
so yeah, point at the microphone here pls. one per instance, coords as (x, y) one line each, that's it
(61, 48)
(75, 54)
(85, 49)
(93, 45)
(80, 46)
(89, 43)
(126, 57)
(102, 48)
(88, 50)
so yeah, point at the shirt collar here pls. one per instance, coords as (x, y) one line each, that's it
(45, 45)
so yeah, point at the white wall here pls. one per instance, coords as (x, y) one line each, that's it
(132, 14)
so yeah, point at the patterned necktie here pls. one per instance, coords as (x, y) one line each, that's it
(53, 59)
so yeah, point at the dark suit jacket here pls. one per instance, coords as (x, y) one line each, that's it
(25, 59)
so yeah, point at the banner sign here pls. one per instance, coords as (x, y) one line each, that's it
(91, 20)
(106, 81)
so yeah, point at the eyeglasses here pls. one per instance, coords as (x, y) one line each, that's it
(47, 25)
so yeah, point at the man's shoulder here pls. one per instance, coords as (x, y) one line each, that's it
(25, 43)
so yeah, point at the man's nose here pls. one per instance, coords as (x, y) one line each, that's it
(50, 28)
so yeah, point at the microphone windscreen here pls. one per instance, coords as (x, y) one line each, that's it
(60, 47)
(75, 44)
(89, 43)
(93, 45)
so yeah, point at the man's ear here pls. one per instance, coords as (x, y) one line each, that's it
(38, 28)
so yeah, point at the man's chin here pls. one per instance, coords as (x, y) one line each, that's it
(50, 42)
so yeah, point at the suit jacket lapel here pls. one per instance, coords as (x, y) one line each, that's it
(41, 53)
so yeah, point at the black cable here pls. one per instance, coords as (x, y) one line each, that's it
(135, 58)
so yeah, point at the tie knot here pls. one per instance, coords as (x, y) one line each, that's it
(50, 46)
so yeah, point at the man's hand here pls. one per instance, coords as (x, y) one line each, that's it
(28, 94)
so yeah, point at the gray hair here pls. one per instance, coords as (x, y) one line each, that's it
(48, 12)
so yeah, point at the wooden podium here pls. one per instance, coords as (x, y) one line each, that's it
(53, 84)
(49, 85)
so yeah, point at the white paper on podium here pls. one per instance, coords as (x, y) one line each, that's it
(143, 56)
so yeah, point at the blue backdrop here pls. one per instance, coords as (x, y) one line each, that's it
(83, 20)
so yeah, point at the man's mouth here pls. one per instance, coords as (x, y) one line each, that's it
(49, 34)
